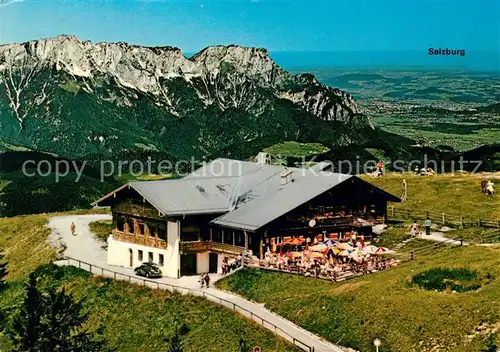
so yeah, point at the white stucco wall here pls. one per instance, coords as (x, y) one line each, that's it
(173, 257)
(202, 263)
(118, 252)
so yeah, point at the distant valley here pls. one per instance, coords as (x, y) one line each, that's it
(443, 108)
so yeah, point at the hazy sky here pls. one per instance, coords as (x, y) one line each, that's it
(293, 25)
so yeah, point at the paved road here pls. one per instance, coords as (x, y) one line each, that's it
(85, 247)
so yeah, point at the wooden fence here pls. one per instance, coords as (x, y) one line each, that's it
(441, 218)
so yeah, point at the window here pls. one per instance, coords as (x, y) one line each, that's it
(139, 255)
(216, 235)
(120, 224)
(162, 233)
(190, 236)
(160, 259)
(141, 229)
(150, 257)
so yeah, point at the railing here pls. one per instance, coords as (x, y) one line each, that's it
(97, 270)
(139, 239)
(227, 248)
(442, 218)
(195, 246)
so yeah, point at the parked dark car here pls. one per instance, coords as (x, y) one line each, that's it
(148, 270)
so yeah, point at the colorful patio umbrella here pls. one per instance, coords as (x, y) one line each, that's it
(384, 251)
(345, 253)
(295, 254)
(370, 249)
(318, 247)
(328, 243)
(345, 245)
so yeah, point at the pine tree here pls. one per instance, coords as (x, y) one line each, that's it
(3, 272)
(26, 329)
(52, 322)
(63, 326)
(175, 343)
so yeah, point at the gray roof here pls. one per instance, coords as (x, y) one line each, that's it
(269, 199)
(185, 196)
(191, 196)
(247, 194)
(250, 173)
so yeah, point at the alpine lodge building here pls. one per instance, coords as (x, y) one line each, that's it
(189, 225)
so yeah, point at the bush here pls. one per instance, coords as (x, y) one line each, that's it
(52, 275)
(455, 279)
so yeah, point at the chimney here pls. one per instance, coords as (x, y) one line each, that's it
(286, 176)
(263, 158)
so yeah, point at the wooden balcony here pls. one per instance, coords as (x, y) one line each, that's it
(202, 246)
(227, 248)
(339, 221)
(138, 239)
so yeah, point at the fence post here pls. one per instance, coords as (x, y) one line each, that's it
(479, 221)
(408, 213)
(412, 254)
(461, 221)
(102, 271)
(498, 224)
(114, 274)
(79, 264)
(443, 216)
(393, 211)
(90, 268)
(461, 240)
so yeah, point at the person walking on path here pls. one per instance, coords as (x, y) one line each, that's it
(201, 280)
(207, 280)
(73, 228)
(428, 224)
(380, 168)
(414, 229)
(483, 184)
(489, 188)
(404, 190)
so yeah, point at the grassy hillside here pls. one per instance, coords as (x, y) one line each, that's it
(385, 305)
(296, 149)
(134, 318)
(460, 195)
(102, 229)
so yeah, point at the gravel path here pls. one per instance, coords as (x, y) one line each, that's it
(439, 237)
(85, 247)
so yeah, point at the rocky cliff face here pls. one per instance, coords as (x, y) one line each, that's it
(44, 84)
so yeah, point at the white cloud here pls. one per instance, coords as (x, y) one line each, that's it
(9, 2)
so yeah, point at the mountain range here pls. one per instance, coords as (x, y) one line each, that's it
(80, 99)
